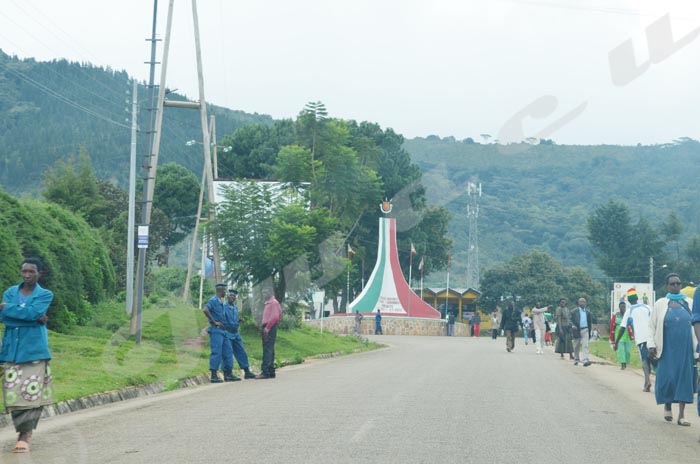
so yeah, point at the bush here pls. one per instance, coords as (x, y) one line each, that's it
(78, 269)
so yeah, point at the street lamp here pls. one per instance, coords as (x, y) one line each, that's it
(652, 270)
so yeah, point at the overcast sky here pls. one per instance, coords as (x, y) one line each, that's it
(576, 71)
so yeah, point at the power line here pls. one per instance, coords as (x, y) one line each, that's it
(61, 97)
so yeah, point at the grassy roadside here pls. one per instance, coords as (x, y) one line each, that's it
(602, 350)
(103, 357)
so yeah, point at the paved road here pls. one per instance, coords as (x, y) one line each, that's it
(423, 400)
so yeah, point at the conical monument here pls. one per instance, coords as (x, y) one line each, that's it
(387, 289)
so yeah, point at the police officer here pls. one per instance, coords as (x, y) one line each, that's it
(219, 343)
(234, 335)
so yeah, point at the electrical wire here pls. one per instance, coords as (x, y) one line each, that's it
(62, 97)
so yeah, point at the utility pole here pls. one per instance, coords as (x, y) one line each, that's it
(206, 142)
(193, 250)
(151, 163)
(132, 202)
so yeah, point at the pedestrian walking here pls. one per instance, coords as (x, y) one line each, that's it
(476, 324)
(24, 358)
(563, 343)
(636, 320)
(620, 340)
(695, 319)
(358, 322)
(378, 323)
(509, 323)
(494, 326)
(671, 342)
(539, 324)
(527, 325)
(581, 320)
(450, 324)
(272, 314)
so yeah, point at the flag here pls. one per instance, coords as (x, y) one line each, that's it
(420, 266)
(413, 250)
(350, 250)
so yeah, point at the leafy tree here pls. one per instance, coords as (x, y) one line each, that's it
(536, 278)
(176, 194)
(75, 187)
(672, 230)
(622, 249)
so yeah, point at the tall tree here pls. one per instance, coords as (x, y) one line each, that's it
(176, 194)
(536, 278)
(622, 249)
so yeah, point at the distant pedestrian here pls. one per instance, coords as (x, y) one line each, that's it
(538, 322)
(450, 324)
(547, 333)
(509, 323)
(494, 326)
(27, 381)
(476, 324)
(637, 320)
(378, 323)
(272, 314)
(671, 343)
(527, 325)
(620, 340)
(581, 320)
(562, 319)
(358, 322)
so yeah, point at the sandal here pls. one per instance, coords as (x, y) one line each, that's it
(683, 422)
(22, 445)
(668, 415)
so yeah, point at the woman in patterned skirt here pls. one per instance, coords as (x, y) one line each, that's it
(25, 356)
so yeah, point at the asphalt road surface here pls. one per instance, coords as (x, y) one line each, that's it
(421, 400)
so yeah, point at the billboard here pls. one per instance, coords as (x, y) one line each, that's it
(619, 292)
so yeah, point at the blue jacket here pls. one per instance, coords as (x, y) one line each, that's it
(224, 313)
(25, 339)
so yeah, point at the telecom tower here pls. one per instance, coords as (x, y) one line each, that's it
(474, 192)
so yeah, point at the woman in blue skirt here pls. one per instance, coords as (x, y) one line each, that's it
(671, 342)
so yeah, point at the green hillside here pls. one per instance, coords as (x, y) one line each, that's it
(541, 196)
(49, 109)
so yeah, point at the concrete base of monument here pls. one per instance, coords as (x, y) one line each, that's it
(345, 325)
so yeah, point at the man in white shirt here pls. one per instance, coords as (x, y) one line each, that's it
(638, 319)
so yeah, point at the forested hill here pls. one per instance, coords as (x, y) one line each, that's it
(542, 195)
(48, 110)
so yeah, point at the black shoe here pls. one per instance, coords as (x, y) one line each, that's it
(249, 375)
(215, 378)
(231, 378)
(575, 363)
(586, 364)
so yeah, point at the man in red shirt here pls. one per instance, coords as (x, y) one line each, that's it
(271, 318)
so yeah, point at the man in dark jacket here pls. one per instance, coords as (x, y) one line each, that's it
(509, 323)
(582, 323)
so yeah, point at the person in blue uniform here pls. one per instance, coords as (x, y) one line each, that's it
(378, 323)
(234, 335)
(219, 342)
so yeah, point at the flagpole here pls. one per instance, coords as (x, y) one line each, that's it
(421, 278)
(363, 273)
(447, 289)
(347, 298)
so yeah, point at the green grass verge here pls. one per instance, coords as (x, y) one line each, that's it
(104, 357)
(602, 349)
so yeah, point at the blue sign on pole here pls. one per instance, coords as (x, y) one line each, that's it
(142, 237)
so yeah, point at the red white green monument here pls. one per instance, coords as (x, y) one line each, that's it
(386, 288)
